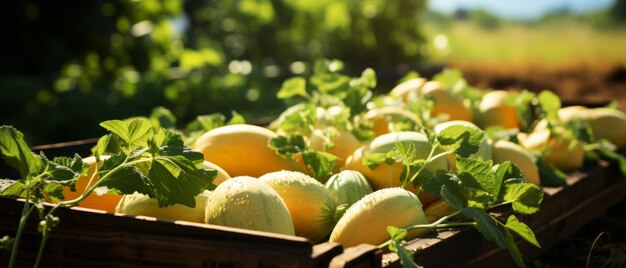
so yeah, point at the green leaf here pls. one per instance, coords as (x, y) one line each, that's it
(397, 234)
(453, 196)
(176, 180)
(54, 191)
(107, 145)
(497, 133)
(124, 180)
(522, 230)
(60, 173)
(405, 255)
(504, 171)
(332, 84)
(372, 160)
(476, 173)
(462, 140)
(16, 153)
(236, 118)
(170, 143)
(323, 66)
(16, 189)
(295, 86)
(204, 123)
(287, 146)
(550, 104)
(486, 225)
(612, 155)
(297, 118)
(514, 251)
(437, 181)
(526, 197)
(134, 132)
(162, 117)
(550, 175)
(368, 78)
(524, 107)
(75, 163)
(581, 131)
(404, 152)
(479, 199)
(321, 164)
(449, 76)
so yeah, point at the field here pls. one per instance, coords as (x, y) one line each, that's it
(578, 62)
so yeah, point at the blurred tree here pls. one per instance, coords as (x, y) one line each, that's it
(461, 14)
(485, 19)
(70, 64)
(618, 10)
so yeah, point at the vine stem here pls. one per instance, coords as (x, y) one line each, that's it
(26, 210)
(74, 202)
(500, 204)
(44, 238)
(428, 161)
(437, 224)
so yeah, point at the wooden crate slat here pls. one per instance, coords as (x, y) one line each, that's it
(85, 237)
(586, 191)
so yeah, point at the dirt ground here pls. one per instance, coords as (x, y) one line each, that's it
(593, 84)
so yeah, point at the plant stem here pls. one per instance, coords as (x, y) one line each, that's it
(74, 202)
(89, 190)
(18, 236)
(44, 238)
(428, 159)
(434, 225)
(500, 204)
(383, 245)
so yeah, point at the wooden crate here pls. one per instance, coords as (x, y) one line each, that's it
(89, 237)
(565, 210)
(95, 238)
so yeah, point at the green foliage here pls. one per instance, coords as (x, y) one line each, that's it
(175, 174)
(321, 164)
(618, 10)
(475, 187)
(406, 256)
(115, 59)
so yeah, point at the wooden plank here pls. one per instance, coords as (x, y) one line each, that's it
(89, 237)
(363, 255)
(588, 192)
(324, 253)
(80, 147)
(553, 231)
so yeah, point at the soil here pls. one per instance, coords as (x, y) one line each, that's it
(591, 84)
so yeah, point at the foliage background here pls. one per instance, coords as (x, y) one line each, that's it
(71, 64)
(67, 65)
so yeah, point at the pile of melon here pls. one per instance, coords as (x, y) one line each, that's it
(258, 189)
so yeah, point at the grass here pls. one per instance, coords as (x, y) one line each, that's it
(517, 44)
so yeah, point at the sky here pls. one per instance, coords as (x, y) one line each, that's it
(519, 9)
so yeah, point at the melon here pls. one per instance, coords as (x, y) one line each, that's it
(245, 202)
(367, 220)
(310, 204)
(348, 186)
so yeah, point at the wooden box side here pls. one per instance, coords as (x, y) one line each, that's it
(589, 192)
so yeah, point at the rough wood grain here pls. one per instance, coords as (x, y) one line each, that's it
(89, 237)
(589, 192)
